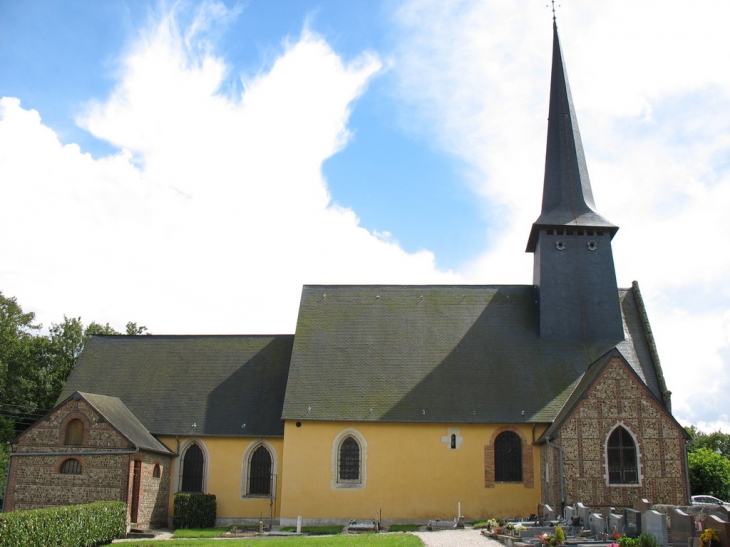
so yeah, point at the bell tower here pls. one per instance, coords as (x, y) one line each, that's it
(574, 274)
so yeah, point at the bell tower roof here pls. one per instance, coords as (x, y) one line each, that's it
(567, 198)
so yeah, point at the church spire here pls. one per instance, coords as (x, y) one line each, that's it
(567, 198)
(574, 274)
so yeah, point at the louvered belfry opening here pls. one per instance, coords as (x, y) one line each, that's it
(349, 464)
(259, 475)
(622, 468)
(508, 457)
(192, 479)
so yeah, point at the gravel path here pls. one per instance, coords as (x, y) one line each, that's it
(456, 538)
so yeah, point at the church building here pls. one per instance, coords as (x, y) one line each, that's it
(403, 401)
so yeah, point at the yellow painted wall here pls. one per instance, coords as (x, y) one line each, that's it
(411, 474)
(225, 467)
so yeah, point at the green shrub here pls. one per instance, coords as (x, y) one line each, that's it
(194, 510)
(648, 540)
(70, 526)
(625, 541)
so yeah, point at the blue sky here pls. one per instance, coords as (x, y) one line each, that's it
(189, 165)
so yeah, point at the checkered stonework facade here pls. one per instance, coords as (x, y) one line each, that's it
(37, 478)
(617, 397)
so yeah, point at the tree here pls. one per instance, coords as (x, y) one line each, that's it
(716, 441)
(134, 330)
(709, 473)
(20, 350)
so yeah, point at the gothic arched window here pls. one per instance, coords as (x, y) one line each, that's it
(621, 451)
(193, 465)
(259, 472)
(508, 457)
(348, 465)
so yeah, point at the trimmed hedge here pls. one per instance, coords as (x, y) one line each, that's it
(195, 510)
(69, 526)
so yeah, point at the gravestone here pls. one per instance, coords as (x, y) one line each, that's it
(643, 505)
(632, 523)
(682, 528)
(597, 525)
(583, 513)
(654, 523)
(607, 511)
(720, 526)
(548, 515)
(568, 514)
(616, 524)
(720, 511)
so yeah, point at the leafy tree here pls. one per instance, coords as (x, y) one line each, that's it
(134, 330)
(20, 350)
(716, 441)
(709, 473)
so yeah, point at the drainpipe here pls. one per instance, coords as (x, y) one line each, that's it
(562, 474)
(686, 472)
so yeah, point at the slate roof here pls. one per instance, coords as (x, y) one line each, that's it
(588, 379)
(467, 354)
(170, 383)
(567, 197)
(118, 415)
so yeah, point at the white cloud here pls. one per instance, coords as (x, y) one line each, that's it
(653, 111)
(216, 207)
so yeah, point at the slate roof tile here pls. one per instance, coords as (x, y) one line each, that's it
(170, 383)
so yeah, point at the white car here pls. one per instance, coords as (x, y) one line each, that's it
(709, 500)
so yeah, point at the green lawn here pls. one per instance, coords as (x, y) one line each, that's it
(315, 530)
(403, 528)
(182, 533)
(383, 540)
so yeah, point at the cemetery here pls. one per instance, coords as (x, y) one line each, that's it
(643, 525)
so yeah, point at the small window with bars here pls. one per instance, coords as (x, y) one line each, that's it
(71, 466)
(622, 468)
(349, 461)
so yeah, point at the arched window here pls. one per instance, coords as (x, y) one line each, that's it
(453, 441)
(508, 457)
(621, 451)
(259, 473)
(348, 465)
(71, 466)
(156, 471)
(75, 432)
(193, 465)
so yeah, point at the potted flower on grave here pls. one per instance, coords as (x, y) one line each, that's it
(710, 538)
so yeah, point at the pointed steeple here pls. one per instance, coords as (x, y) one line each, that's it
(567, 198)
(574, 274)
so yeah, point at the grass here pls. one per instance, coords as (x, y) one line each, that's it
(403, 528)
(316, 530)
(385, 540)
(181, 533)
